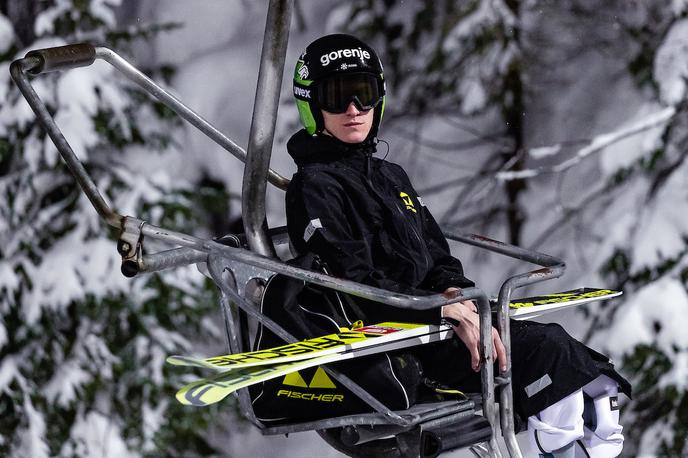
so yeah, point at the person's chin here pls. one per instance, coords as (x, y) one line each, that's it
(354, 140)
(353, 137)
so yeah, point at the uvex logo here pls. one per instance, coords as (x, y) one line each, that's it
(325, 59)
(301, 92)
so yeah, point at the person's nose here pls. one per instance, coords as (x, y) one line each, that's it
(352, 110)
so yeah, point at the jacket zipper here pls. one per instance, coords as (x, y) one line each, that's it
(401, 212)
(417, 235)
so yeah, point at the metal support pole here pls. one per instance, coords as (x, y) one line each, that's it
(506, 401)
(487, 370)
(263, 125)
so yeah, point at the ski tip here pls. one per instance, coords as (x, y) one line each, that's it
(178, 360)
(187, 361)
(532, 307)
(202, 393)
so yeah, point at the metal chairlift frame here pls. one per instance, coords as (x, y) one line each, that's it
(233, 267)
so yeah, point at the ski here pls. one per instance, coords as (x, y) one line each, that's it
(214, 389)
(362, 337)
(246, 369)
(531, 307)
(356, 338)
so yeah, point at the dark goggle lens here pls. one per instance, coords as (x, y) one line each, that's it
(337, 92)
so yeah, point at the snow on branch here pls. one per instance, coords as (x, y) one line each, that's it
(596, 144)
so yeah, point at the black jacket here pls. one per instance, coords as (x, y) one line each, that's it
(365, 221)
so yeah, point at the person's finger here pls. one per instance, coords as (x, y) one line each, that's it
(451, 292)
(500, 350)
(474, 348)
(475, 357)
(471, 306)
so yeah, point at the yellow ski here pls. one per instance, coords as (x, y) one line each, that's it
(256, 367)
(359, 337)
(530, 307)
(214, 389)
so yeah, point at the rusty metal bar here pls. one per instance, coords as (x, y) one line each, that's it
(18, 70)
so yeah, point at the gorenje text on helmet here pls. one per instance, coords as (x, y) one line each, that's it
(325, 59)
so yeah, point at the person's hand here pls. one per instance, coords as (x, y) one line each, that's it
(468, 330)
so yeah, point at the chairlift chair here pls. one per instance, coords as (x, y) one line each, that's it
(234, 260)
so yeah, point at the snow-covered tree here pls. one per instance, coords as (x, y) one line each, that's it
(82, 348)
(638, 231)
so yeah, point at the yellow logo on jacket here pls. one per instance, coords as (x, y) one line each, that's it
(408, 202)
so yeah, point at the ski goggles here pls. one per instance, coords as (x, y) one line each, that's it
(335, 93)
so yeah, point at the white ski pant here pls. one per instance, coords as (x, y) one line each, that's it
(561, 424)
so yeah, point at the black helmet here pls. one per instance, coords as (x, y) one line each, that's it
(334, 71)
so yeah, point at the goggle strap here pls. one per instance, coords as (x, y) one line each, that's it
(303, 92)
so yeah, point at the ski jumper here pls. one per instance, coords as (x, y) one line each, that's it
(361, 216)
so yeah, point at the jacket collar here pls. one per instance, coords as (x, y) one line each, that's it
(321, 149)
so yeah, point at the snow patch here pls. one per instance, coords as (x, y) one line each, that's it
(663, 302)
(32, 439)
(99, 9)
(671, 64)
(654, 435)
(626, 149)
(96, 435)
(6, 35)
(9, 280)
(3, 333)
(103, 10)
(77, 96)
(619, 223)
(204, 26)
(340, 18)
(8, 372)
(96, 351)
(18, 112)
(473, 95)
(678, 375)
(45, 21)
(65, 273)
(679, 6)
(65, 383)
(663, 224)
(544, 151)
(153, 419)
(486, 14)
